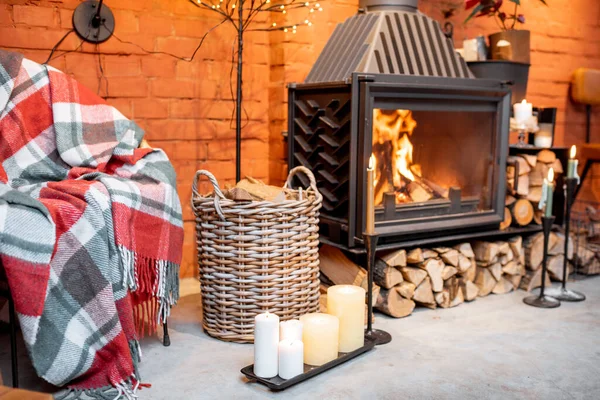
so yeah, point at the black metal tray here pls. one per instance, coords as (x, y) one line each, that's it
(276, 383)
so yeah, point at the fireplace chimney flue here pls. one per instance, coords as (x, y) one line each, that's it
(389, 5)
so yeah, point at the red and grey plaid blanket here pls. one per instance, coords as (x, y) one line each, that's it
(90, 229)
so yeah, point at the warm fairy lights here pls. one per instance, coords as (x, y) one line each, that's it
(230, 10)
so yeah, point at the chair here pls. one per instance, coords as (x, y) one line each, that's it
(12, 325)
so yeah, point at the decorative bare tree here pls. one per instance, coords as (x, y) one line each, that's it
(241, 14)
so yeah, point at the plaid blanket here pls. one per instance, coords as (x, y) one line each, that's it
(90, 229)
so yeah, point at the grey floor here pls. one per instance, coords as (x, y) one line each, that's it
(493, 348)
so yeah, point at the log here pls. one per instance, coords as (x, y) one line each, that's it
(434, 268)
(428, 253)
(496, 270)
(546, 156)
(515, 280)
(522, 212)
(395, 258)
(511, 268)
(415, 256)
(452, 286)
(448, 272)
(417, 192)
(470, 290)
(523, 185)
(458, 299)
(442, 250)
(507, 221)
(506, 258)
(386, 276)
(509, 200)
(516, 244)
(557, 166)
(424, 295)
(503, 286)
(413, 275)
(555, 267)
(584, 255)
(531, 159)
(406, 289)
(471, 272)
(503, 247)
(484, 281)
(524, 166)
(534, 249)
(260, 191)
(591, 268)
(541, 169)
(535, 194)
(559, 246)
(463, 264)
(485, 251)
(443, 299)
(537, 216)
(465, 249)
(393, 304)
(536, 179)
(451, 257)
(533, 279)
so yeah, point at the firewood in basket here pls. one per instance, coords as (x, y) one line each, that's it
(413, 275)
(424, 294)
(393, 304)
(238, 194)
(415, 256)
(261, 191)
(406, 289)
(395, 258)
(386, 276)
(434, 268)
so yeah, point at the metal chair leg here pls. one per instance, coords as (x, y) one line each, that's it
(12, 321)
(166, 338)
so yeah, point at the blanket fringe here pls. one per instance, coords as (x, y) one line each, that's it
(159, 279)
(123, 390)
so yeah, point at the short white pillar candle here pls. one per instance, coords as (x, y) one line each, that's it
(266, 342)
(347, 302)
(291, 358)
(291, 329)
(320, 334)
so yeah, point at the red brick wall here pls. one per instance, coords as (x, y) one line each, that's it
(186, 107)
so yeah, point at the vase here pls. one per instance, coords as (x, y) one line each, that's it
(519, 43)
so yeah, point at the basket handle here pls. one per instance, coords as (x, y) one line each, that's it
(309, 174)
(217, 189)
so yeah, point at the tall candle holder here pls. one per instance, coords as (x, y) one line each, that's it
(542, 300)
(562, 293)
(380, 337)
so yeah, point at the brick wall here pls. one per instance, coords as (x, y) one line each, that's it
(186, 107)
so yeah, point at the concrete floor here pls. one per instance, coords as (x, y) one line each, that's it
(493, 348)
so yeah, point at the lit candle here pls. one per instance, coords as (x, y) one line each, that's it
(347, 302)
(291, 330)
(573, 162)
(523, 111)
(547, 193)
(320, 334)
(291, 358)
(266, 342)
(370, 209)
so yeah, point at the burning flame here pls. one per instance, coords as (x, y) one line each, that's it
(551, 175)
(573, 151)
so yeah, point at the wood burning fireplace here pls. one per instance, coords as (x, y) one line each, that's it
(389, 84)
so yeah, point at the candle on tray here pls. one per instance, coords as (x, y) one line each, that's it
(370, 211)
(291, 329)
(548, 193)
(572, 165)
(347, 302)
(523, 111)
(266, 342)
(291, 358)
(320, 334)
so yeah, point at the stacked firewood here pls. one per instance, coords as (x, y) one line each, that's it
(500, 266)
(525, 177)
(534, 255)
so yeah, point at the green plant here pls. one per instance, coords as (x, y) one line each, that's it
(493, 9)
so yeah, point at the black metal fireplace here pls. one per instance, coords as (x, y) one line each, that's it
(388, 84)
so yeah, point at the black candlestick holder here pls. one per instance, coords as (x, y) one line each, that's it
(377, 335)
(562, 293)
(544, 301)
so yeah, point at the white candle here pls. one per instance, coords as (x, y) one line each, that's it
(347, 302)
(370, 209)
(291, 329)
(523, 111)
(266, 342)
(320, 334)
(291, 358)
(572, 165)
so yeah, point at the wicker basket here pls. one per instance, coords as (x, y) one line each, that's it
(256, 256)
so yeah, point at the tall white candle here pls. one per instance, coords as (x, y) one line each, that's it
(291, 358)
(572, 165)
(266, 342)
(291, 329)
(320, 334)
(347, 302)
(523, 111)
